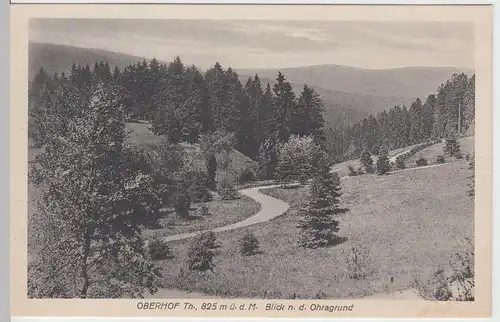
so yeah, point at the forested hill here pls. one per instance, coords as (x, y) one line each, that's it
(349, 94)
(407, 82)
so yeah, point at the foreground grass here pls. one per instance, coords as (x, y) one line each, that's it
(406, 224)
(221, 213)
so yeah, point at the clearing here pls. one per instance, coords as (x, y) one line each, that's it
(386, 224)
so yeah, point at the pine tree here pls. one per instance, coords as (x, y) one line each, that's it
(367, 161)
(318, 223)
(249, 245)
(284, 104)
(383, 166)
(451, 146)
(202, 252)
(307, 117)
(285, 173)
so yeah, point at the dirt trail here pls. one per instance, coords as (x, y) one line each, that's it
(270, 209)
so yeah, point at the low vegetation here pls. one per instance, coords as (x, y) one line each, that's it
(401, 253)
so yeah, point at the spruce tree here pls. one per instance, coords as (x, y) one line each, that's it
(202, 252)
(284, 104)
(383, 166)
(318, 224)
(451, 146)
(285, 173)
(307, 117)
(367, 161)
(249, 245)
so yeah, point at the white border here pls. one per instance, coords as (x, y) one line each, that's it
(496, 138)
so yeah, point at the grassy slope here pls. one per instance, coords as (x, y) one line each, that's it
(385, 220)
(342, 167)
(143, 136)
(431, 153)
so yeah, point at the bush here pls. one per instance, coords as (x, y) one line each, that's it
(203, 211)
(181, 201)
(197, 186)
(361, 171)
(245, 176)
(459, 155)
(440, 159)
(226, 190)
(202, 251)
(400, 162)
(451, 147)
(383, 166)
(356, 263)
(421, 161)
(352, 171)
(249, 245)
(158, 249)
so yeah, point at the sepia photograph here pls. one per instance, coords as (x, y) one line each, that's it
(260, 159)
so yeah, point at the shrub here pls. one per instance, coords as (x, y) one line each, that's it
(356, 263)
(459, 155)
(181, 201)
(440, 159)
(197, 186)
(451, 146)
(202, 251)
(383, 166)
(245, 176)
(361, 171)
(421, 161)
(352, 171)
(249, 245)
(158, 249)
(366, 161)
(203, 211)
(226, 190)
(455, 284)
(400, 162)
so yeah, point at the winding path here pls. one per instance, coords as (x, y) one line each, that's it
(270, 209)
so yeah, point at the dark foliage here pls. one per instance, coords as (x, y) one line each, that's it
(202, 252)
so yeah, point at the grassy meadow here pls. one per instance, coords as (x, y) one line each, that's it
(404, 225)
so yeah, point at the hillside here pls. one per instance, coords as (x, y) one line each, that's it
(398, 82)
(349, 93)
(59, 58)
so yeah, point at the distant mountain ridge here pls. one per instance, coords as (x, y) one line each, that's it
(349, 93)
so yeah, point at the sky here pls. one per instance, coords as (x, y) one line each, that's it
(270, 44)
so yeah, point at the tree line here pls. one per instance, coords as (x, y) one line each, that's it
(437, 117)
(97, 191)
(184, 104)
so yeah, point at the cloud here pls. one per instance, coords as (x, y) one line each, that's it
(251, 43)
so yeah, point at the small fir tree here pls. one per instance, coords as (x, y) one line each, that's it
(284, 171)
(451, 147)
(383, 166)
(202, 252)
(421, 161)
(400, 162)
(249, 244)
(318, 223)
(226, 190)
(366, 161)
